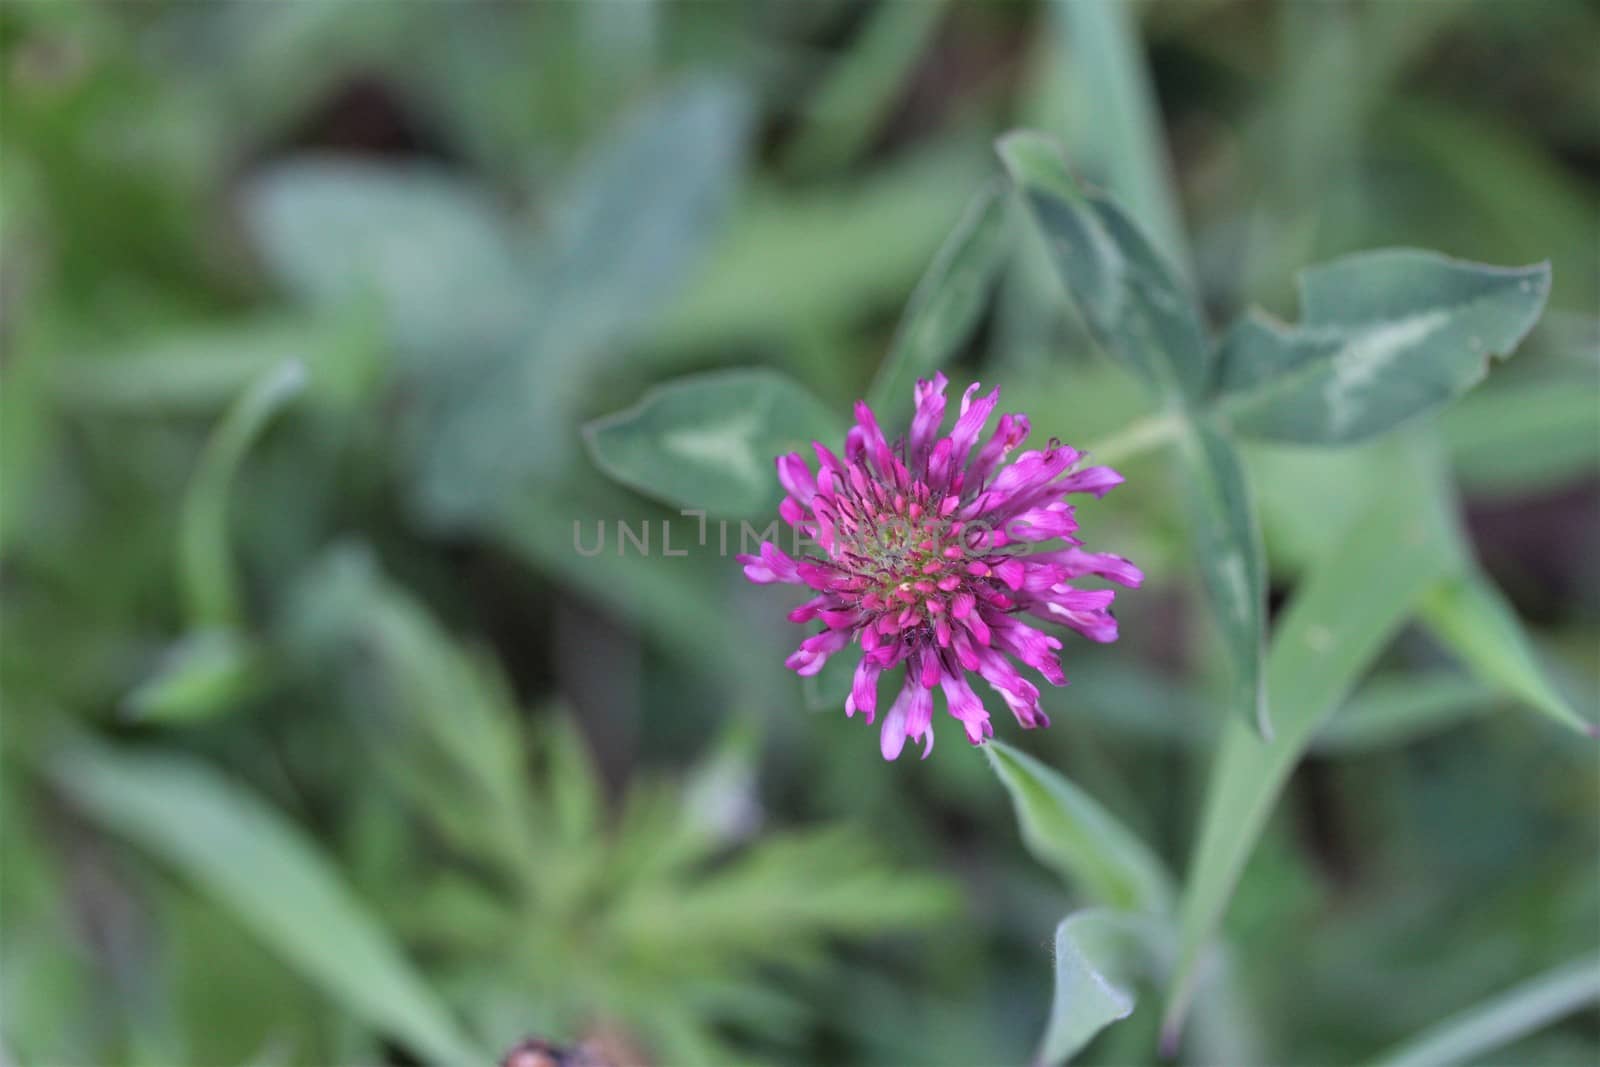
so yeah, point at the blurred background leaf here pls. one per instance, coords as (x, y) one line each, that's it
(1487, 1027)
(210, 587)
(270, 877)
(945, 307)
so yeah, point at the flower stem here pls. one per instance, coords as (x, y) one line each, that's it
(1138, 437)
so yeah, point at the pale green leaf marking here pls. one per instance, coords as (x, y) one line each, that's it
(728, 445)
(707, 442)
(1363, 360)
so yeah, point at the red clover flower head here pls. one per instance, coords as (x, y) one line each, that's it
(921, 562)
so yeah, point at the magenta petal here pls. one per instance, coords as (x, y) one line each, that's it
(1011, 432)
(876, 448)
(1010, 571)
(965, 706)
(1114, 568)
(771, 566)
(893, 736)
(970, 424)
(814, 651)
(796, 478)
(919, 718)
(929, 414)
(864, 691)
(1096, 480)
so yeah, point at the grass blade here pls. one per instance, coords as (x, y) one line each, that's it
(1116, 128)
(863, 86)
(1525, 437)
(201, 370)
(1394, 710)
(836, 254)
(1495, 1023)
(1472, 618)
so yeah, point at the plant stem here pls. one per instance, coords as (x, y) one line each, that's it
(1136, 438)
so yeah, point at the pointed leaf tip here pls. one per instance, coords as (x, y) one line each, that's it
(1384, 337)
(1098, 952)
(1068, 831)
(1034, 159)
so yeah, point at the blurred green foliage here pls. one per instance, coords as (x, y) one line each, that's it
(322, 744)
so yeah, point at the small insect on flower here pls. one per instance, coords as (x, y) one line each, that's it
(921, 562)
